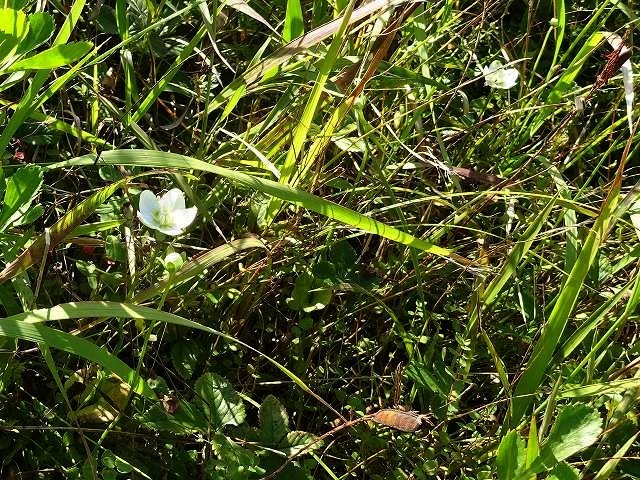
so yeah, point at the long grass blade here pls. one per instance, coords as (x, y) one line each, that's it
(156, 159)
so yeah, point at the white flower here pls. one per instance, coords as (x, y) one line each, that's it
(167, 214)
(496, 76)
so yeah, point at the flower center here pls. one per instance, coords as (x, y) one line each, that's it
(163, 216)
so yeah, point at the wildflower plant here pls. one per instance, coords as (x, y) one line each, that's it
(167, 214)
(497, 76)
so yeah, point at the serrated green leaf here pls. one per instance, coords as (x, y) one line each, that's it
(511, 456)
(53, 57)
(20, 190)
(220, 403)
(40, 30)
(233, 462)
(274, 421)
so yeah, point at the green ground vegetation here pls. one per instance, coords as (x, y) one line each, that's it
(429, 206)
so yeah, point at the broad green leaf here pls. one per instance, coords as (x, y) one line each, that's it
(186, 419)
(221, 404)
(40, 30)
(21, 188)
(185, 356)
(233, 462)
(274, 421)
(293, 21)
(511, 456)
(54, 57)
(576, 428)
(14, 27)
(564, 471)
(13, 22)
(30, 216)
(17, 327)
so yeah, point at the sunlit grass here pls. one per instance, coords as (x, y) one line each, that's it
(438, 196)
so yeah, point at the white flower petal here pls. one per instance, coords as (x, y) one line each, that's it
(170, 230)
(496, 76)
(184, 217)
(173, 199)
(148, 221)
(148, 204)
(510, 77)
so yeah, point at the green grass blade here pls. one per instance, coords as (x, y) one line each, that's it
(510, 265)
(567, 298)
(22, 323)
(560, 16)
(58, 231)
(161, 85)
(53, 57)
(303, 127)
(293, 21)
(296, 47)
(156, 159)
(20, 326)
(565, 81)
(198, 265)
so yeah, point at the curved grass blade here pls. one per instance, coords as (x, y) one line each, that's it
(68, 311)
(21, 326)
(310, 109)
(567, 298)
(198, 265)
(157, 159)
(296, 47)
